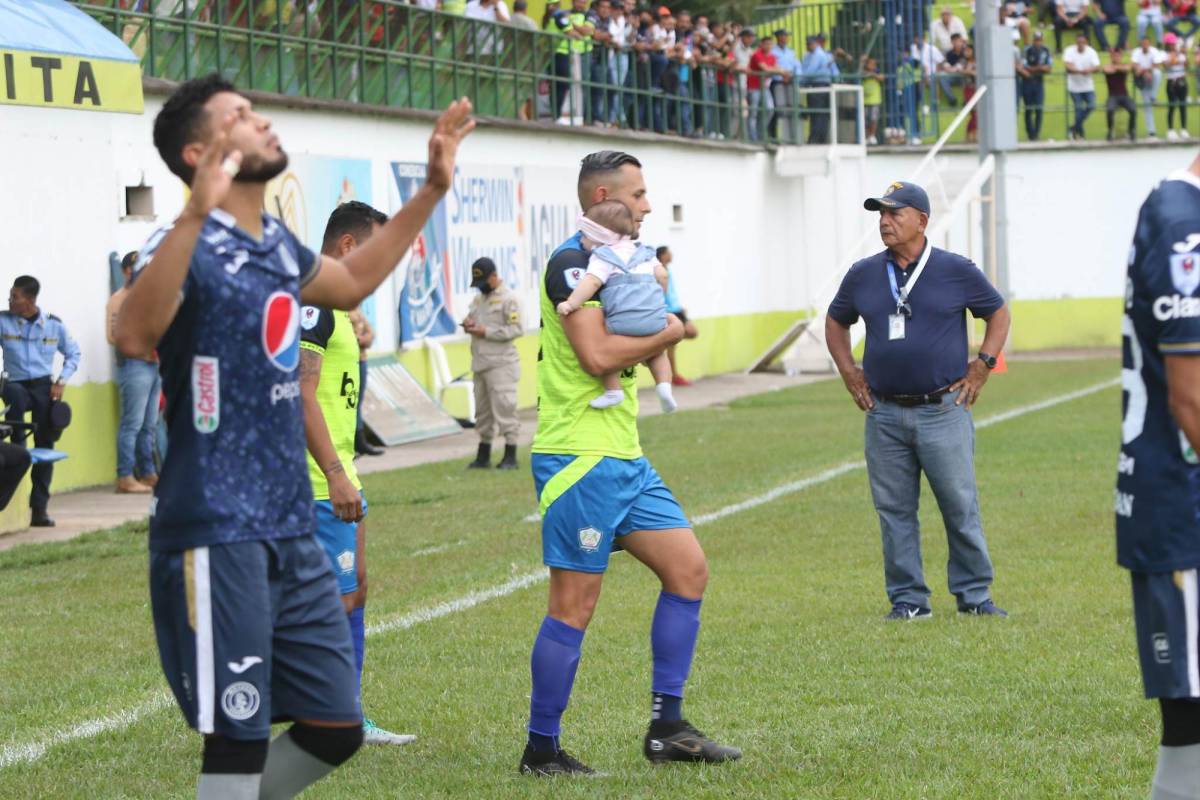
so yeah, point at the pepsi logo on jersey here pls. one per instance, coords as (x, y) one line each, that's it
(281, 331)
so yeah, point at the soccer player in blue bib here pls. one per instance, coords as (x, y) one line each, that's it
(1158, 476)
(246, 611)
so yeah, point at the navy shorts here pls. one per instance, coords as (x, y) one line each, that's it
(253, 632)
(1166, 614)
(588, 502)
(340, 540)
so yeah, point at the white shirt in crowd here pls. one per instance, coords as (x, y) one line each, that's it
(1072, 7)
(1147, 59)
(485, 38)
(940, 32)
(1085, 59)
(929, 56)
(619, 29)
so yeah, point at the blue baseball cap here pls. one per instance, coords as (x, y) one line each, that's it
(900, 194)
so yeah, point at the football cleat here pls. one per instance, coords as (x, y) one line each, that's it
(541, 764)
(373, 734)
(678, 740)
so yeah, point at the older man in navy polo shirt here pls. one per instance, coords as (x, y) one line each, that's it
(917, 388)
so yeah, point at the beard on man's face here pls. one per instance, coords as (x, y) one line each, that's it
(256, 169)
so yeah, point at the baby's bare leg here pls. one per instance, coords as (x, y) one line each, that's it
(660, 368)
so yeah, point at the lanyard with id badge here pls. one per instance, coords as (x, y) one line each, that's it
(903, 309)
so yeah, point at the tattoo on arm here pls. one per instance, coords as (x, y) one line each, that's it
(310, 365)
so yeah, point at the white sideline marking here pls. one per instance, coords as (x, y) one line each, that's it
(459, 604)
(32, 751)
(437, 548)
(28, 753)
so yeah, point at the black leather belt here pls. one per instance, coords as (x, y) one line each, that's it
(916, 399)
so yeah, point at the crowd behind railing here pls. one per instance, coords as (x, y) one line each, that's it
(613, 63)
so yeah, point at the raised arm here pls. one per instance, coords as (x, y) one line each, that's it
(346, 283)
(600, 352)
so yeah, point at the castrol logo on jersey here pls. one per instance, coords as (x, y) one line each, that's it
(281, 331)
(206, 393)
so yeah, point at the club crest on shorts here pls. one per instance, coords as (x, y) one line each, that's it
(589, 539)
(1185, 272)
(1162, 648)
(240, 700)
(345, 561)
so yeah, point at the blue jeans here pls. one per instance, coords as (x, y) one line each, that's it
(761, 106)
(1033, 94)
(939, 440)
(1084, 102)
(138, 383)
(1122, 23)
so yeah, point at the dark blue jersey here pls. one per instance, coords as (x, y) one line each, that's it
(1158, 478)
(235, 467)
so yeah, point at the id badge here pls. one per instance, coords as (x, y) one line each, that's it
(895, 327)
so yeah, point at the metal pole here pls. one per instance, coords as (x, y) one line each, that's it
(999, 133)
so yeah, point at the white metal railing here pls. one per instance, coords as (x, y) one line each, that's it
(813, 334)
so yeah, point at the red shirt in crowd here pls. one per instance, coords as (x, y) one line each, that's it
(758, 60)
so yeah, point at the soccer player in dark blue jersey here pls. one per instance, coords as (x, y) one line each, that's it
(1158, 475)
(246, 611)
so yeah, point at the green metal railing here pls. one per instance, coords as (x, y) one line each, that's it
(390, 53)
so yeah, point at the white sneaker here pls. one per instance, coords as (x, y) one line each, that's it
(914, 140)
(1172, 136)
(373, 734)
(1183, 134)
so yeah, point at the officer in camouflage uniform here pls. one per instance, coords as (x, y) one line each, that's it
(494, 322)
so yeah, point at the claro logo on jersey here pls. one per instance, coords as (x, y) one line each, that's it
(281, 331)
(206, 393)
(1175, 306)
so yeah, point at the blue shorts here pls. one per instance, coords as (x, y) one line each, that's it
(253, 632)
(1166, 614)
(340, 540)
(588, 502)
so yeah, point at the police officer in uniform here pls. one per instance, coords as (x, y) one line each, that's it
(30, 338)
(494, 322)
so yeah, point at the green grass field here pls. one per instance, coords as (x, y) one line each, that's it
(795, 663)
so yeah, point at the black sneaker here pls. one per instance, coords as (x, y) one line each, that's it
(541, 764)
(985, 609)
(677, 740)
(907, 611)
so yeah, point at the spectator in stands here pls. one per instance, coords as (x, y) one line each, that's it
(1111, 12)
(761, 68)
(872, 86)
(944, 28)
(520, 19)
(558, 21)
(1035, 65)
(819, 70)
(909, 76)
(1177, 87)
(968, 76)
(954, 66)
(1071, 15)
(930, 59)
(581, 48)
(1082, 62)
(783, 90)
(1150, 14)
(1147, 77)
(138, 388)
(29, 338)
(1014, 16)
(598, 63)
(690, 331)
(487, 43)
(742, 50)
(680, 75)
(662, 36)
(1116, 75)
(621, 32)
(1182, 20)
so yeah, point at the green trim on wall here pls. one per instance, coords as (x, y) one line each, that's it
(91, 441)
(1066, 323)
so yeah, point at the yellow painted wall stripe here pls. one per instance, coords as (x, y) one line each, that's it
(564, 479)
(30, 78)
